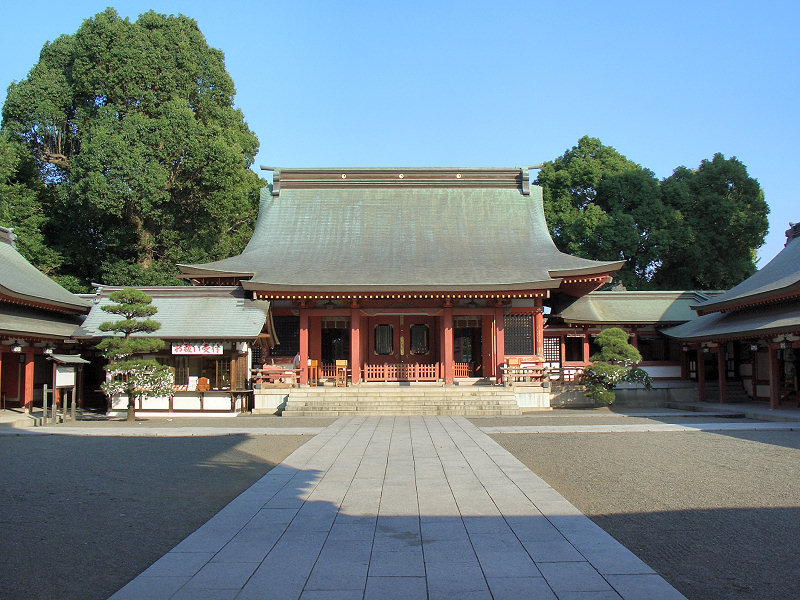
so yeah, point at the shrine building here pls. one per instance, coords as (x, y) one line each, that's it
(408, 274)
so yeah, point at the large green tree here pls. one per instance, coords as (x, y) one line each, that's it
(133, 128)
(720, 222)
(694, 230)
(21, 199)
(601, 205)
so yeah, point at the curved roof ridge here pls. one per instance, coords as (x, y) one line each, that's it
(779, 276)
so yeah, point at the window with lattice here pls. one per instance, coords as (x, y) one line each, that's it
(287, 330)
(518, 334)
(552, 349)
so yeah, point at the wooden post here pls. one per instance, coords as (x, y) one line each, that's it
(303, 346)
(721, 369)
(701, 374)
(447, 333)
(684, 365)
(486, 347)
(500, 344)
(355, 345)
(315, 339)
(774, 377)
(28, 381)
(538, 330)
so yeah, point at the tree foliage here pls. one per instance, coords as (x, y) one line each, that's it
(615, 348)
(21, 198)
(612, 365)
(134, 377)
(721, 220)
(133, 128)
(671, 233)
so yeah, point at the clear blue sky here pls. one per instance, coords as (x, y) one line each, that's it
(379, 83)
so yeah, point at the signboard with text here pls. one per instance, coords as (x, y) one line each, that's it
(202, 349)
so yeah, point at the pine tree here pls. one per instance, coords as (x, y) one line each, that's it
(134, 377)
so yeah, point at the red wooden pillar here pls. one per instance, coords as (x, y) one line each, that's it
(355, 345)
(774, 377)
(303, 346)
(586, 348)
(721, 371)
(447, 335)
(500, 344)
(487, 347)
(28, 394)
(315, 338)
(701, 374)
(538, 329)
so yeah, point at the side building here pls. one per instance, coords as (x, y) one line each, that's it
(37, 319)
(210, 334)
(748, 337)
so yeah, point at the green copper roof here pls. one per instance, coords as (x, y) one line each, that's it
(202, 313)
(20, 279)
(431, 229)
(765, 321)
(779, 276)
(624, 307)
(26, 321)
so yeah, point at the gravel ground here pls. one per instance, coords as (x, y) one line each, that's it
(81, 516)
(88, 419)
(717, 515)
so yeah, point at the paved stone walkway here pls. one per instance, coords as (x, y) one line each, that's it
(399, 507)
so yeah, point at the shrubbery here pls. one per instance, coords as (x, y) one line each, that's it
(613, 365)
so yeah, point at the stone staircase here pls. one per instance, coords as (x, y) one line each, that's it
(734, 392)
(388, 399)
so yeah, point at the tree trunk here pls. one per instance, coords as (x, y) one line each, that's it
(131, 407)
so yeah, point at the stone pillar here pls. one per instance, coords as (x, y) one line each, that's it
(355, 344)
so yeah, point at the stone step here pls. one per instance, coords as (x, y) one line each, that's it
(406, 400)
(431, 412)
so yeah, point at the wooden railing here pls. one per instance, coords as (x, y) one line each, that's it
(402, 372)
(276, 375)
(461, 370)
(327, 371)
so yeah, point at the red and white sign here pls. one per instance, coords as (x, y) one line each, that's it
(197, 348)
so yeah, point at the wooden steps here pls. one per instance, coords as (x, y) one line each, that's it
(387, 399)
(734, 392)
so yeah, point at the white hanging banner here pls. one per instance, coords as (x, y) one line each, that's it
(197, 348)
